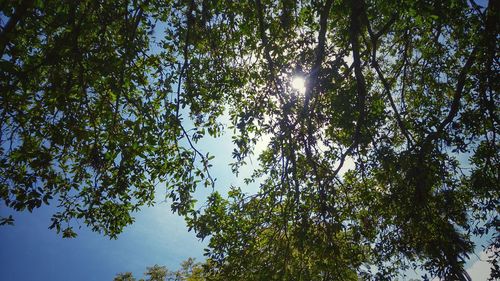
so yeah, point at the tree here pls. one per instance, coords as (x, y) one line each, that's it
(189, 271)
(404, 90)
(86, 115)
(127, 276)
(156, 273)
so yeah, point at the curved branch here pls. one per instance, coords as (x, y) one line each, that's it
(387, 88)
(310, 91)
(455, 105)
(267, 51)
(185, 54)
(374, 40)
(320, 54)
(357, 7)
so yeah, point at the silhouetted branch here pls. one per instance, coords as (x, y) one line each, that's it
(357, 7)
(374, 40)
(8, 30)
(455, 105)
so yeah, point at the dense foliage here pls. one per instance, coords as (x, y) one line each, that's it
(95, 100)
(87, 113)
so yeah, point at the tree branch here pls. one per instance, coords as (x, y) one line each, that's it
(267, 50)
(357, 7)
(320, 54)
(8, 31)
(374, 37)
(310, 91)
(455, 105)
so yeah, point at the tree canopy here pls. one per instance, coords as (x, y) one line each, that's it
(98, 98)
(189, 271)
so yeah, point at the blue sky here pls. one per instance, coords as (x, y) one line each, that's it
(32, 252)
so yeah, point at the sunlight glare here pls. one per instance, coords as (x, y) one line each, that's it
(299, 84)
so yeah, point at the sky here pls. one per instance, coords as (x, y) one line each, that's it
(30, 251)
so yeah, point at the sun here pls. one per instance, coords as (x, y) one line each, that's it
(299, 84)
